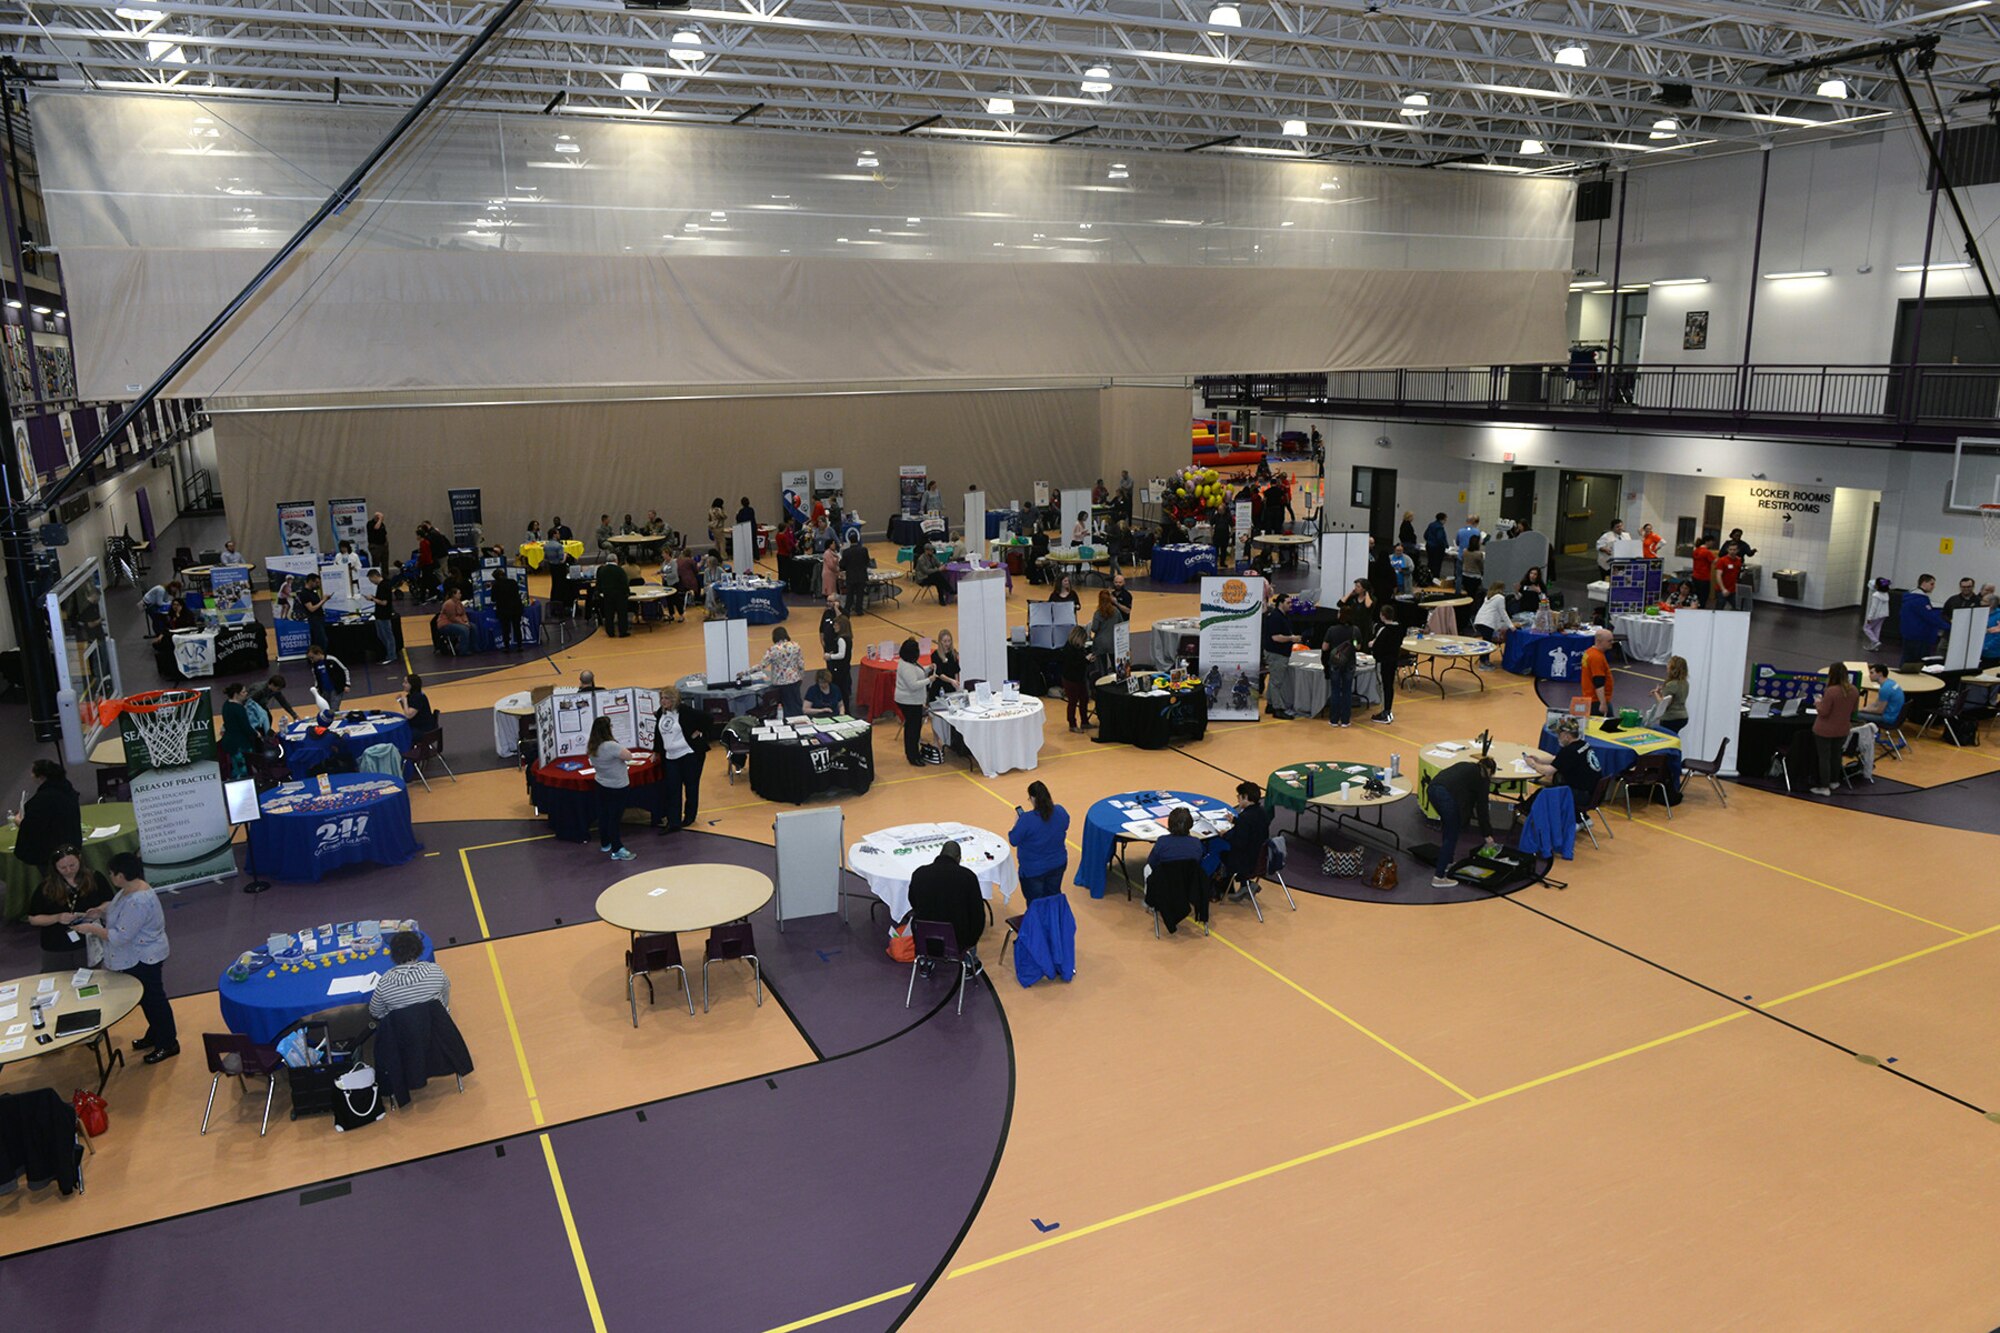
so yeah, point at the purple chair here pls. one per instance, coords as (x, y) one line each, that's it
(937, 942)
(731, 943)
(650, 954)
(239, 1057)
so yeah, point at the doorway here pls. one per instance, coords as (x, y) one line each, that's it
(1517, 496)
(1956, 331)
(1587, 502)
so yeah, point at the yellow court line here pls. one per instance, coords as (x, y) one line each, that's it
(478, 909)
(500, 985)
(1808, 879)
(1879, 967)
(849, 1308)
(575, 1241)
(511, 842)
(1358, 1026)
(967, 775)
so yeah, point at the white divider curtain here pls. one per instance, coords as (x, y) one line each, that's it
(505, 252)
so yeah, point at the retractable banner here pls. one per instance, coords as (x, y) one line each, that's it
(298, 527)
(350, 521)
(229, 594)
(1232, 633)
(465, 516)
(910, 489)
(176, 773)
(795, 493)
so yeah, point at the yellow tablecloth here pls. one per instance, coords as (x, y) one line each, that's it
(532, 552)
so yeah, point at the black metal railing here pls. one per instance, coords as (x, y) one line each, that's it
(1936, 394)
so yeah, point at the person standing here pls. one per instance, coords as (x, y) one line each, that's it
(1336, 658)
(384, 600)
(63, 898)
(1278, 641)
(329, 675)
(49, 819)
(785, 664)
(1702, 570)
(1038, 838)
(239, 737)
(1457, 793)
(913, 691)
(1436, 539)
(1104, 623)
(829, 572)
(1649, 542)
(854, 572)
(415, 705)
(614, 600)
(1472, 568)
(507, 609)
(1736, 546)
(676, 751)
(1597, 674)
(1406, 531)
(1074, 659)
(1387, 649)
(1673, 693)
(1723, 573)
(614, 783)
(1609, 539)
(377, 539)
(836, 641)
(1835, 718)
(134, 932)
(312, 601)
(946, 672)
(1923, 624)
(718, 525)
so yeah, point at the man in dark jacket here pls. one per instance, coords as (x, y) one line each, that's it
(1923, 624)
(1387, 648)
(854, 575)
(507, 608)
(614, 600)
(1435, 541)
(946, 891)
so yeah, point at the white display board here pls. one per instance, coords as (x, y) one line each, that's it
(810, 849)
(1232, 640)
(1716, 645)
(1968, 635)
(975, 524)
(725, 649)
(982, 625)
(743, 550)
(564, 719)
(1073, 503)
(1343, 558)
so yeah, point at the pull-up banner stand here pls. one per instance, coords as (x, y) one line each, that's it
(975, 525)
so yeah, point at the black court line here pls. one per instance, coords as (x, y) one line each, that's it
(1683, 977)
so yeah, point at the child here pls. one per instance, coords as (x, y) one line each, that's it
(1878, 611)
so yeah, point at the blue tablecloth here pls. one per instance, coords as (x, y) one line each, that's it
(759, 606)
(1182, 563)
(1613, 758)
(1544, 656)
(302, 835)
(997, 519)
(486, 626)
(909, 529)
(261, 1007)
(306, 751)
(1103, 824)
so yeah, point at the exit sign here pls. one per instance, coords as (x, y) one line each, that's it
(1506, 458)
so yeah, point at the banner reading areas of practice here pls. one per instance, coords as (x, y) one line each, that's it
(1232, 634)
(465, 516)
(184, 829)
(350, 521)
(298, 527)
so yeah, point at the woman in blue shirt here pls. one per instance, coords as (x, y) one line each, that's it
(1038, 837)
(1179, 844)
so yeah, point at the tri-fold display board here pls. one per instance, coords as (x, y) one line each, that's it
(564, 718)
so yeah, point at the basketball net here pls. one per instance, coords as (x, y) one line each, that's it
(1990, 516)
(162, 719)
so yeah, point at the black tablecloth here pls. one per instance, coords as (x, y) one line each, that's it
(240, 649)
(573, 813)
(1036, 670)
(1151, 723)
(1759, 740)
(800, 573)
(355, 642)
(795, 772)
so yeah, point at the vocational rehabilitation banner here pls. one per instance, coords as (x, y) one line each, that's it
(298, 527)
(350, 522)
(184, 827)
(465, 517)
(1232, 642)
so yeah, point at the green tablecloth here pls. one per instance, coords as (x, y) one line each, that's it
(97, 852)
(1307, 780)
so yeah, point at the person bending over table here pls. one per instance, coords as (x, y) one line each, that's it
(267, 699)
(329, 676)
(49, 819)
(822, 699)
(913, 691)
(1597, 675)
(134, 932)
(63, 898)
(946, 673)
(1387, 649)
(1244, 843)
(415, 705)
(684, 733)
(1075, 663)
(1493, 623)
(1832, 721)
(614, 783)
(1180, 844)
(1673, 692)
(1456, 793)
(945, 891)
(927, 572)
(411, 981)
(785, 663)
(1038, 838)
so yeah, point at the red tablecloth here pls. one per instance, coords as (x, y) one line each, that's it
(875, 688)
(568, 774)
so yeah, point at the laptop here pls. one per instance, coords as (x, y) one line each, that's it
(78, 1020)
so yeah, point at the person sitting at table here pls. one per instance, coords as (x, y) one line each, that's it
(559, 530)
(229, 555)
(533, 536)
(784, 663)
(614, 600)
(1065, 592)
(1890, 699)
(454, 626)
(628, 528)
(415, 705)
(1533, 588)
(1243, 845)
(1121, 595)
(1179, 844)
(1493, 623)
(1596, 680)
(854, 564)
(711, 584)
(822, 698)
(927, 571)
(1673, 694)
(655, 525)
(1100, 493)
(1402, 567)
(64, 897)
(411, 980)
(240, 737)
(945, 891)
(49, 819)
(1104, 623)
(1574, 764)
(946, 673)
(1079, 533)
(134, 932)
(1357, 609)
(1834, 718)
(1456, 793)
(605, 532)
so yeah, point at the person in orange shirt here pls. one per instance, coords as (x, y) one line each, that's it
(1649, 543)
(1703, 569)
(1597, 675)
(1728, 569)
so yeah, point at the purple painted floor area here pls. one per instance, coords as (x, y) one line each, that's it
(1972, 804)
(413, 1246)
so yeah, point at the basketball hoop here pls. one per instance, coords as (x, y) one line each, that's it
(1990, 516)
(161, 718)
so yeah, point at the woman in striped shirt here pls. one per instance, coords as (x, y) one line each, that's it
(412, 980)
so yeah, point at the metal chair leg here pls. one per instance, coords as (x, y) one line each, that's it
(756, 975)
(270, 1092)
(1156, 922)
(1288, 892)
(908, 991)
(211, 1102)
(1590, 832)
(704, 986)
(964, 975)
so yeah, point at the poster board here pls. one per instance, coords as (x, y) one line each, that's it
(564, 717)
(1240, 542)
(466, 516)
(1049, 623)
(794, 494)
(298, 527)
(1716, 645)
(982, 625)
(350, 521)
(1343, 558)
(975, 524)
(1232, 634)
(1968, 634)
(725, 649)
(1634, 584)
(810, 857)
(743, 547)
(1073, 503)
(184, 828)
(229, 595)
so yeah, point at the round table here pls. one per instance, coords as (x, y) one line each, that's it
(1647, 638)
(1441, 613)
(885, 585)
(695, 691)
(1447, 652)
(1333, 788)
(759, 601)
(1307, 677)
(1107, 827)
(633, 547)
(1913, 682)
(308, 745)
(1513, 772)
(1182, 562)
(954, 570)
(118, 995)
(1167, 635)
(1287, 544)
(533, 553)
(1003, 736)
(109, 827)
(508, 711)
(1618, 750)
(887, 858)
(1551, 656)
(1067, 560)
(566, 791)
(834, 759)
(875, 687)
(673, 899)
(272, 998)
(301, 834)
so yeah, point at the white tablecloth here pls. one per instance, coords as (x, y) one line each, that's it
(506, 727)
(194, 651)
(1167, 636)
(1648, 638)
(1007, 738)
(1308, 681)
(888, 857)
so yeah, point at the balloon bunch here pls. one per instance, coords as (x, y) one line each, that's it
(1195, 493)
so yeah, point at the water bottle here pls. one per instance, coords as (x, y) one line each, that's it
(1395, 766)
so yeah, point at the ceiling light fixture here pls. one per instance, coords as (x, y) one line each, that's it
(12, 304)
(1097, 79)
(1225, 16)
(1585, 284)
(999, 106)
(43, 310)
(1293, 129)
(1834, 88)
(685, 47)
(1789, 274)
(167, 53)
(1666, 127)
(1680, 282)
(1938, 266)
(1533, 148)
(1415, 105)
(1575, 55)
(1117, 172)
(867, 160)
(632, 81)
